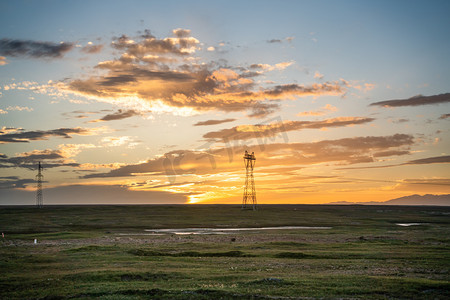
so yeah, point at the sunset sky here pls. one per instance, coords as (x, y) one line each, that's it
(156, 101)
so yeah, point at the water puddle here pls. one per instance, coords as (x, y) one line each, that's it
(184, 231)
(409, 224)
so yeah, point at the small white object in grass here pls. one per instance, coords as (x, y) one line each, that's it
(35, 241)
(408, 224)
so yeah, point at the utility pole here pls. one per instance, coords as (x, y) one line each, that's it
(39, 198)
(249, 189)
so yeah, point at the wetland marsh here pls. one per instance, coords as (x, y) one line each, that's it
(310, 251)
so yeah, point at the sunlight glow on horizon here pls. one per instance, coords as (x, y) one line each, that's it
(141, 106)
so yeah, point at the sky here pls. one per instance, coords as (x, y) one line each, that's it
(155, 102)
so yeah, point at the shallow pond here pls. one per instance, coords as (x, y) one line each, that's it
(228, 230)
(409, 224)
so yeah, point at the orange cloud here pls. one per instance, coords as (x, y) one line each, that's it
(91, 48)
(215, 174)
(318, 75)
(267, 67)
(213, 122)
(3, 61)
(228, 159)
(324, 110)
(154, 71)
(244, 132)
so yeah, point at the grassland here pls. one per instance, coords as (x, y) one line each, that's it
(103, 252)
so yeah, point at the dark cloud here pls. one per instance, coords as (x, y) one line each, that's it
(257, 66)
(181, 44)
(30, 160)
(244, 132)
(249, 74)
(92, 49)
(181, 33)
(14, 182)
(213, 122)
(300, 90)
(117, 80)
(119, 115)
(146, 34)
(415, 101)
(82, 114)
(423, 161)
(9, 177)
(428, 181)
(26, 136)
(352, 150)
(401, 121)
(391, 153)
(35, 49)
(138, 74)
(430, 160)
(261, 110)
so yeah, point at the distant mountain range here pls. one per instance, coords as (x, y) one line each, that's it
(428, 199)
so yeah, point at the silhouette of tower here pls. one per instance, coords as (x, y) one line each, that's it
(249, 189)
(39, 176)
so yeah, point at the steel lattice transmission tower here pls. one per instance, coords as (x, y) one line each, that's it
(249, 189)
(39, 176)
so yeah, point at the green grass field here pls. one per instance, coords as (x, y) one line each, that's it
(104, 252)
